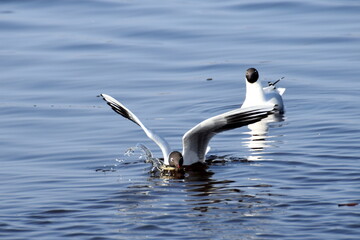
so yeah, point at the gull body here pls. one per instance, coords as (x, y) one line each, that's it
(257, 95)
(195, 141)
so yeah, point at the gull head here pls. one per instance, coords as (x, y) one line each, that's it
(252, 75)
(176, 159)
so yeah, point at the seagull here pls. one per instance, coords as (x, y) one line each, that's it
(195, 141)
(256, 95)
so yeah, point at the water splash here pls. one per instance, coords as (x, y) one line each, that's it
(146, 154)
(159, 169)
(130, 151)
(157, 163)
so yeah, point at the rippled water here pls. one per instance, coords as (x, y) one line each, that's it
(174, 63)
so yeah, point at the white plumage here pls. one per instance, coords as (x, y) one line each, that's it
(195, 141)
(256, 95)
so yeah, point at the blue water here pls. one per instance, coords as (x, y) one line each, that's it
(63, 170)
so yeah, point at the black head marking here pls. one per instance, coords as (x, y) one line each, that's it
(176, 159)
(252, 75)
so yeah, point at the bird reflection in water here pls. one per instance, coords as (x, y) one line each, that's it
(258, 95)
(223, 197)
(198, 190)
(260, 137)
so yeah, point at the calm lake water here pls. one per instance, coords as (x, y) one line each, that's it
(64, 174)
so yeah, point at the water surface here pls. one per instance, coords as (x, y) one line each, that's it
(63, 169)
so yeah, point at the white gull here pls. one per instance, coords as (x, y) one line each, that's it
(256, 95)
(195, 141)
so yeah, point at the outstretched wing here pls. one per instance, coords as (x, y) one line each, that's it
(196, 140)
(126, 113)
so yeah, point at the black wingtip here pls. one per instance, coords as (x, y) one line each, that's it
(274, 83)
(245, 118)
(116, 106)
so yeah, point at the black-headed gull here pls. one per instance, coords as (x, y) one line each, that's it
(256, 95)
(195, 141)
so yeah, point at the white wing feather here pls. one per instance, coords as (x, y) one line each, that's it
(195, 141)
(126, 113)
(281, 90)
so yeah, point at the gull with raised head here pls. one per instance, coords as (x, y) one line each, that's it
(256, 95)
